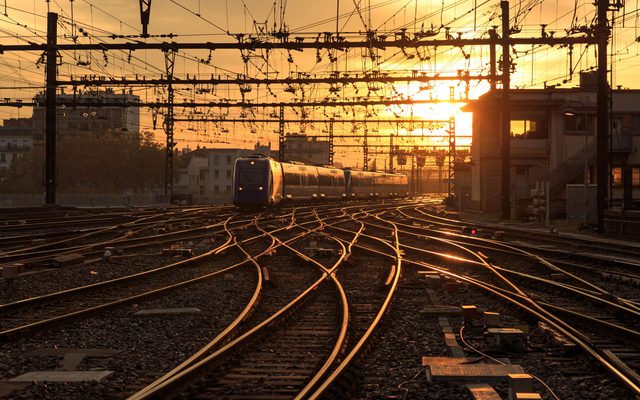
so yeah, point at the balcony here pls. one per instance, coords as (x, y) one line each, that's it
(529, 148)
(621, 143)
(14, 149)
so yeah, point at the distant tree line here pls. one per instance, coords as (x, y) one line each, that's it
(91, 163)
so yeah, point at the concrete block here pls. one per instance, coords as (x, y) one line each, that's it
(10, 271)
(61, 376)
(469, 312)
(433, 281)
(66, 260)
(482, 391)
(519, 383)
(472, 373)
(441, 311)
(63, 351)
(491, 319)
(169, 311)
(527, 396)
(71, 361)
(451, 287)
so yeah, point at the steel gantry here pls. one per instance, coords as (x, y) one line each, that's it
(452, 156)
(169, 62)
(329, 41)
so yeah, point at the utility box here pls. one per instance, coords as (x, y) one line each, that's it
(581, 203)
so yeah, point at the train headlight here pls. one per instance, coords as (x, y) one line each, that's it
(260, 188)
(240, 188)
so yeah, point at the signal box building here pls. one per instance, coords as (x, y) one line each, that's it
(552, 140)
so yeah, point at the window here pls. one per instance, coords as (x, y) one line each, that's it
(201, 190)
(228, 189)
(292, 179)
(325, 180)
(216, 189)
(3, 157)
(216, 159)
(250, 175)
(616, 176)
(576, 123)
(635, 125)
(201, 176)
(529, 125)
(216, 174)
(228, 160)
(228, 174)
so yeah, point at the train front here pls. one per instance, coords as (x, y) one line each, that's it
(251, 188)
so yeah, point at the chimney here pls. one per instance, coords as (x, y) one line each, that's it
(589, 80)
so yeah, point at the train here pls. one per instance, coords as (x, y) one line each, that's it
(262, 182)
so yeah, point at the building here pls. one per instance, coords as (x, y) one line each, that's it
(15, 141)
(205, 175)
(92, 112)
(306, 149)
(552, 140)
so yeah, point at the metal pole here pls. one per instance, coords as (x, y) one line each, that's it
(602, 132)
(492, 57)
(281, 142)
(505, 131)
(50, 112)
(170, 60)
(391, 152)
(586, 170)
(365, 152)
(331, 141)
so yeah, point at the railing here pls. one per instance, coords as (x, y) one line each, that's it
(571, 168)
(621, 143)
(9, 149)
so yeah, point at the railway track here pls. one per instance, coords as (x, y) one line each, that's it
(327, 278)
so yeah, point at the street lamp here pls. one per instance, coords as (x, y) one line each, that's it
(571, 113)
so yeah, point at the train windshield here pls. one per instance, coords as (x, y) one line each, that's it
(251, 175)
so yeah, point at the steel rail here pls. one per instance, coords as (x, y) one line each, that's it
(346, 362)
(514, 250)
(632, 249)
(228, 332)
(630, 381)
(169, 385)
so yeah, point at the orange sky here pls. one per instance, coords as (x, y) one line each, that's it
(220, 20)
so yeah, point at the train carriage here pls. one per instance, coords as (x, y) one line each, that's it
(360, 184)
(300, 182)
(261, 182)
(257, 182)
(331, 184)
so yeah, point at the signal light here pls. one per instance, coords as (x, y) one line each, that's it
(474, 231)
